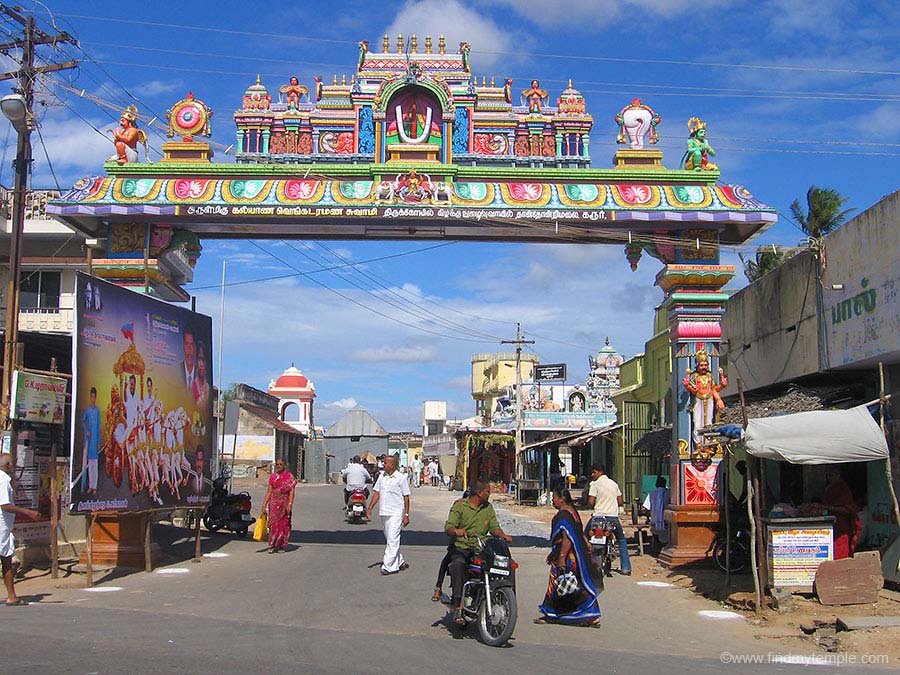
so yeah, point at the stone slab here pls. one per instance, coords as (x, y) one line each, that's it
(852, 581)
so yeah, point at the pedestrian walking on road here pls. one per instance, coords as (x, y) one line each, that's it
(575, 580)
(280, 500)
(391, 494)
(416, 467)
(8, 519)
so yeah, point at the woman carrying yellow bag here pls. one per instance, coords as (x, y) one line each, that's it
(259, 532)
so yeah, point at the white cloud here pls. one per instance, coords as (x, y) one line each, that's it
(605, 13)
(75, 150)
(403, 354)
(463, 382)
(344, 403)
(159, 87)
(456, 23)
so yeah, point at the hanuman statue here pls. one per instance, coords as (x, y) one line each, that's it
(705, 391)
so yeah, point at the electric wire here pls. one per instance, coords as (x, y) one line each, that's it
(400, 293)
(437, 320)
(363, 305)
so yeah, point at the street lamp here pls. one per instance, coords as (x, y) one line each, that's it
(15, 109)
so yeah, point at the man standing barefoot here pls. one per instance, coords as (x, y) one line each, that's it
(391, 492)
(7, 543)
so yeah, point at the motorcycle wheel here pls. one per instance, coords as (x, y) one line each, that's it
(241, 533)
(210, 524)
(606, 565)
(739, 556)
(496, 629)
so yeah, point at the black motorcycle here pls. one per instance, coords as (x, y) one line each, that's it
(740, 546)
(489, 595)
(228, 511)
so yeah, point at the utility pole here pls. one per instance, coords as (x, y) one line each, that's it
(19, 111)
(518, 342)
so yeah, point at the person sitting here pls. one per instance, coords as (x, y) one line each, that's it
(355, 476)
(445, 562)
(469, 520)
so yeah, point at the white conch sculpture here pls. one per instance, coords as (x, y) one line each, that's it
(636, 123)
(426, 129)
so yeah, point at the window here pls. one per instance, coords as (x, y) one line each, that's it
(39, 290)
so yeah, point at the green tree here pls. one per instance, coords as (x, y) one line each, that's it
(823, 211)
(767, 259)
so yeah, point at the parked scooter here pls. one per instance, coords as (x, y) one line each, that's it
(489, 595)
(356, 506)
(228, 511)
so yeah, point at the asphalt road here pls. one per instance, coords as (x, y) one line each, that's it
(323, 607)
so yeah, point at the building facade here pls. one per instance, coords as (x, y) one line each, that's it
(296, 395)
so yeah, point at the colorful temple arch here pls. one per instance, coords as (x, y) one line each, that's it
(413, 146)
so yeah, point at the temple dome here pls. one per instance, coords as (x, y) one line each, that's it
(291, 380)
(571, 102)
(256, 97)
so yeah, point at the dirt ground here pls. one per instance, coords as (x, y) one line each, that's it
(804, 624)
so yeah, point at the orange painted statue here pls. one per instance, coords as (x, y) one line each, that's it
(535, 97)
(293, 92)
(127, 137)
(703, 387)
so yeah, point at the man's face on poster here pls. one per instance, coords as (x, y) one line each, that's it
(131, 385)
(189, 350)
(93, 398)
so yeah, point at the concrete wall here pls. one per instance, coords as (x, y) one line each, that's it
(769, 328)
(862, 320)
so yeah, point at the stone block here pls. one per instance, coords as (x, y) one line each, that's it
(852, 581)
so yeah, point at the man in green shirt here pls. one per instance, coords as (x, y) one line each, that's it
(469, 520)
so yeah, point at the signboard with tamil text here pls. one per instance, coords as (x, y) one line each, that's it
(37, 398)
(795, 552)
(550, 372)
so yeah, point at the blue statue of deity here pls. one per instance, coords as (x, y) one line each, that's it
(461, 131)
(366, 131)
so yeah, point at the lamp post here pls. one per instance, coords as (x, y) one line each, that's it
(15, 108)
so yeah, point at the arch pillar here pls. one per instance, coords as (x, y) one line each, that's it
(695, 303)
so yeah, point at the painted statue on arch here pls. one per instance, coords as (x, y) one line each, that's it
(535, 97)
(696, 157)
(127, 137)
(705, 392)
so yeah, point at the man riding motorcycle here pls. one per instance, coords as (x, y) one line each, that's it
(355, 476)
(469, 520)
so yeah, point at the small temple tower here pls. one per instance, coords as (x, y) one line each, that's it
(294, 388)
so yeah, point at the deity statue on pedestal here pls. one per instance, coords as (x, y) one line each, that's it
(705, 391)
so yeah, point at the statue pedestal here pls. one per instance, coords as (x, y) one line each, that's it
(692, 531)
(119, 541)
(182, 151)
(638, 159)
(421, 152)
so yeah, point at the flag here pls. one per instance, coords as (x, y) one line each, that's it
(128, 330)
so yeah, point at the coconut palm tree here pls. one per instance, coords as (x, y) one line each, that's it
(823, 213)
(767, 259)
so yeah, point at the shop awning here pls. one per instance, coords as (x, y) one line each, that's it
(818, 437)
(574, 440)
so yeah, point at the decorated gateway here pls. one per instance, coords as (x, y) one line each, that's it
(412, 145)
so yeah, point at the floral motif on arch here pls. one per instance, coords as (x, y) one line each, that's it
(473, 194)
(352, 191)
(246, 191)
(727, 196)
(646, 196)
(190, 190)
(136, 189)
(688, 196)
(582, 194)
(299, 191)
(700, 487)
(525, 194)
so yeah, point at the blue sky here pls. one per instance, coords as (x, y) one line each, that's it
(794, 93)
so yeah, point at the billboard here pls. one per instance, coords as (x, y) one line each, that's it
(37, 398)
(142, 427)
(550, 372)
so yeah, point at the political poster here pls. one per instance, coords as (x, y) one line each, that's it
(37, 398)
(142, 426)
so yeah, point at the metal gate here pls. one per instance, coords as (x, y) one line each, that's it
(637, 416)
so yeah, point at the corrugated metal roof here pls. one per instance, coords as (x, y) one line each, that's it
(357, 422)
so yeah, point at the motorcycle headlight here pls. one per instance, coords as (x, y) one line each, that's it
(501, 561)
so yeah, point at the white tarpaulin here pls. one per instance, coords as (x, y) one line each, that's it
(818, 437)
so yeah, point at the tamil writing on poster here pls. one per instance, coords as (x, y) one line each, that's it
(37, 398)
(142, 427)
(795, 554)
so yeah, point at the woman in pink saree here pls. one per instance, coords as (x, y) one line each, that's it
(280, 500)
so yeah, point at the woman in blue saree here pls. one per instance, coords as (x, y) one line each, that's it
(570, 552)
